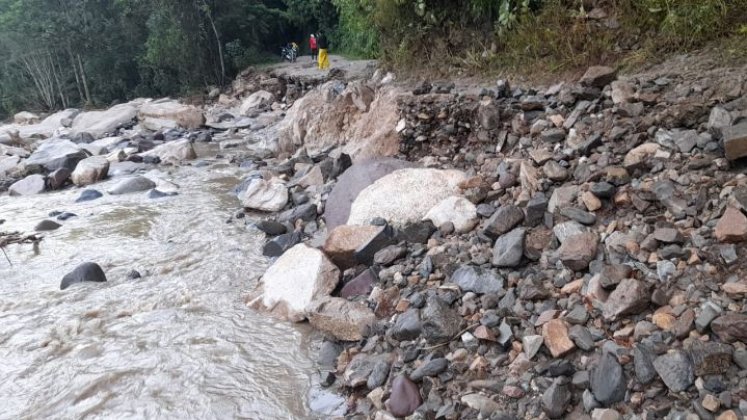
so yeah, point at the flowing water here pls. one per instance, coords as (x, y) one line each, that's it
(177, 343)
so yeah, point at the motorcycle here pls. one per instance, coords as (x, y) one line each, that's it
(289, 54)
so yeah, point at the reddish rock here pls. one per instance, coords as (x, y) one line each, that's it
(405, 397)
(732, 227)
(731, 327)
(735, 141)
(578, 251)
(359, 286)
(629, 297)
(343, 241)
(555, 333)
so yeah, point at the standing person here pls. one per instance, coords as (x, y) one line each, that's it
(313, 46)
(323, 45)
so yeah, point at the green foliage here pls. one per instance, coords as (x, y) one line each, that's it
(356, 35)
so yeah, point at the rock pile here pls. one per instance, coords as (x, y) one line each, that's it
(570, 252)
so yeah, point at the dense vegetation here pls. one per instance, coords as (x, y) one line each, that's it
(64, 53)
(531, 35)
(61, 53)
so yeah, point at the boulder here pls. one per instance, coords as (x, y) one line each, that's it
(175, 151)
(343, 243)
(255, 101)
(404, 196)
(168, 114)
(31, 185)
(88, 195)
(676, 370)
(457, 210)
(25, 118)
(299, 277)
(90, 170)
(264, 196)
(598, 76)
(361, 285)
(345, 320)
(8, 165)
(131, 185)
(100, 123)
(58, 179)
(354, 180)
(87, 272)
(731, 327)
(55, 154)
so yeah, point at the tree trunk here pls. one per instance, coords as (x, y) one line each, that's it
(209, 14)
(85, 82)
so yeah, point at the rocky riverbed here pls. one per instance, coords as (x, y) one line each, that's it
(495, 251)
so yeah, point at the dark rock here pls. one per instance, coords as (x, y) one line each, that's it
(54, 154)
(405, 397)
(306, 212)
(612, 275)
(155, 194)
(676, 370)
(407, 327)
(509, 249)
(643, 357)
(535, 210)
(502, 221)
(416, 233)
(581, 337)
(389, 255)
(430, 368)
(46, 226)
(578, 215)
(58, 178)
(270, 227)
(133, 275)
(366, 253)
(556, 400)
(440, 322)
(474, 279)
(278, 245)
(88, 195)
(65, 216)
(86, 272)
(598, 76)
(710, 358)
(378, 375)
(603, 190)
(608, 382)
(352, 182)
(555, 368)
(328, 354)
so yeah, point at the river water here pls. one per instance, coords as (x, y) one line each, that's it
(179, 342)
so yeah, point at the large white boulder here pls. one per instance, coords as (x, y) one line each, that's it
(45, 129)
(298, 278)
(90, 170)
(54, 154)
(31, 185)
(165, 114)
(264, 195)
(457, 210)
(175, 151)
(404, 196)
(256, 100)
(100, 123)
(26, 118)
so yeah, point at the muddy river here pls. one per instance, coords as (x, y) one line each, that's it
(178, 342)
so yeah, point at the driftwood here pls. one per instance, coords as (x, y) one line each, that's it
(10, 238)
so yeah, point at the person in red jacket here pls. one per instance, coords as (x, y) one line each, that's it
(313, 46)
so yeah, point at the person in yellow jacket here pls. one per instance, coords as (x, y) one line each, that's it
(323, 45)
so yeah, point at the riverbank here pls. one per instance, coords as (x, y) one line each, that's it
(511, 252)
